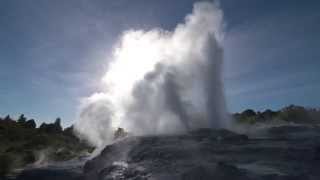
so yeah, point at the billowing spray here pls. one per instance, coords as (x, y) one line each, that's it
(161, 82)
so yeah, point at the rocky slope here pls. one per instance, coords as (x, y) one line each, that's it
(285, 153)
(278, 153)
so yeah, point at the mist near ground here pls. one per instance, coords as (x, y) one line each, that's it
(161, 82)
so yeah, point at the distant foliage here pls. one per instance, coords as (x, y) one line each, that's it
(296, 114)
(30, 124)
(290, 114)
(22, 120)
(7, 118)
(21, 141)
(52, 128)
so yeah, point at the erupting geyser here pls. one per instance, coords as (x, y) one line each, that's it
(161, 82)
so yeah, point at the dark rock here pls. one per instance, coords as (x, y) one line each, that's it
(294, 132)
(219, 134)
(199, 173)
(222, 171)
(317, 153)
(49, 175)
(121, 171)
(208, 154)
(226, 171)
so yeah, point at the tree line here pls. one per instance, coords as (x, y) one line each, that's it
(290, 114)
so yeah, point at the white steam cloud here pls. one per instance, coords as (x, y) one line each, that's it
(161, 82)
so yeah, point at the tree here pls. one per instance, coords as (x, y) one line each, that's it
(297, 114)
(247, 116)
(57, 124)
(248, 113)
(268, 114)
(22, 119)
(30, 124)
(7, 118)
(51, 128)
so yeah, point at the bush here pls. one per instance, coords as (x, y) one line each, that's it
(53, 128)
(30, 124)
(296, 114)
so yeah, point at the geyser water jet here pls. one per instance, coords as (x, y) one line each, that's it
(161, 82)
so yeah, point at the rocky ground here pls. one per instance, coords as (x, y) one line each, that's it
(279, 153)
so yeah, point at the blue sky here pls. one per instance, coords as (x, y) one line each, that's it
(52, 53)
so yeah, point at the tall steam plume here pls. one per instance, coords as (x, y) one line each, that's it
(161, 82)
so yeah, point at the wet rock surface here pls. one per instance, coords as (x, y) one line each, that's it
(285, 153)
